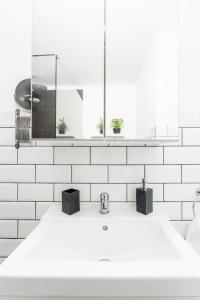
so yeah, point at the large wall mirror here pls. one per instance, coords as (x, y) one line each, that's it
(68, 68)
(105, 69)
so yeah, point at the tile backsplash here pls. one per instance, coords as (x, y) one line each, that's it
(31, 178)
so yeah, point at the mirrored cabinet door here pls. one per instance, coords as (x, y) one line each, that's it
(105, 63)
(141, 68)
(68, 69)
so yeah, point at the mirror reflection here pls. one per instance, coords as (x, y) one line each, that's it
(68, 49)
(141, 68)
(112, 63)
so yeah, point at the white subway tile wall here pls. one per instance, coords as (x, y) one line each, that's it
(8, 155)
(35, 192)
(25, 227)
(71, 155)
(32, 178)
(8, 191)
(89, 174)
(59, 174)
(7, 136)
(145, 155)
(8, 229)
(108, 155)
(191, 136)
(8, 245)
(117, 192)
(35, 155)
(125, 174)
(163, 174)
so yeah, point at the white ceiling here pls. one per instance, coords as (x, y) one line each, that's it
(74, 29)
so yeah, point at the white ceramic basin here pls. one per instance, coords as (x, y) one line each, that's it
(123, 253)
(111, 240)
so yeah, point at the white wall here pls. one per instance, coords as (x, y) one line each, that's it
(92, 110)
(146, 95)
(166, 46)
(157, 89)
(69, 106)
(15, 58)
(121, 103)
(189, 63)
(81, 122)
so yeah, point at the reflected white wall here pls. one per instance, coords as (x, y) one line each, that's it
(69, 106)
(146, 95)
(121, 103)
(92, 110)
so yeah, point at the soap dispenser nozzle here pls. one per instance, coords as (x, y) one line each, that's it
(143, 183)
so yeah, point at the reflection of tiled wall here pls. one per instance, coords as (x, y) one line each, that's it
(31, 178)
(44, 115)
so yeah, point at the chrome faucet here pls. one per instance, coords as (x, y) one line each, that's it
(104, 203)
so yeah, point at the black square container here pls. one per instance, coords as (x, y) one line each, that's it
(144, 200)
(70, 201)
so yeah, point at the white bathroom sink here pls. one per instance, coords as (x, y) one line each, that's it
(105, 239)
(123, 253)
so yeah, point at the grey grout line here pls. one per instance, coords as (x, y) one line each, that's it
(53, 192)
(181, 210)
(181, 174)
(163, 192)
(182, 137)
(17, 229)
(163, 155)
(17, 192)
(35, 174)
(35, 210)
(90, 155)
(17, 156)
(101, 182)
(104, 164)
(53, 155)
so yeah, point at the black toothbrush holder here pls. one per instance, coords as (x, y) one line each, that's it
(70, 201)
(144, 199)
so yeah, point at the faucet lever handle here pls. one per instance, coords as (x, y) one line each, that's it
(104, 197)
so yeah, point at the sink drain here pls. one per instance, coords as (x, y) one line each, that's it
(105, 227)
(104, 259)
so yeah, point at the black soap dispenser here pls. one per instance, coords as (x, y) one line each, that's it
(144, 199)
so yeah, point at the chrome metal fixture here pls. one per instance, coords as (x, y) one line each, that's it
(22, 129)
(104, 203)
(195, 202)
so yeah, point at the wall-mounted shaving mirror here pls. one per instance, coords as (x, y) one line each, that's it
(105, 63)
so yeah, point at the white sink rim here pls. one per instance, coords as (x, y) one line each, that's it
(127, 275)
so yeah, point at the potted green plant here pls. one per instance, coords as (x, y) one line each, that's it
(117, 124)
(62, 127)
(100, 125)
